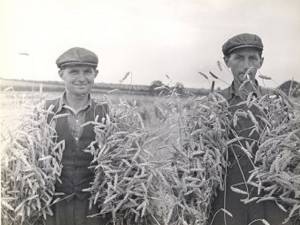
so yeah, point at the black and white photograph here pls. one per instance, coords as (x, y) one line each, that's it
(139, 112)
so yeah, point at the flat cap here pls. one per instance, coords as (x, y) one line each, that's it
(242, 41)
(77, 56)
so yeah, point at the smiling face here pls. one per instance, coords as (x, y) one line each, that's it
(244, 61)
(78, 79)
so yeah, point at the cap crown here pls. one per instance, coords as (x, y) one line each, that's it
(245, 40)
(77, 56)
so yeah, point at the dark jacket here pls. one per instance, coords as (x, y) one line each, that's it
(238, 172)
(75, 174)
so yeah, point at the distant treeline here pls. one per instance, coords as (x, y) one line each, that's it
(157, 87)
(58, 86)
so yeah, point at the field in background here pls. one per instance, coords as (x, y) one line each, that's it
(13, 104)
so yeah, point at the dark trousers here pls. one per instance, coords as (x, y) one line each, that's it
(243, 214)
(74, 211)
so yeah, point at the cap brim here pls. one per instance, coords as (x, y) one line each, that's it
(77, 64)
(243, 46)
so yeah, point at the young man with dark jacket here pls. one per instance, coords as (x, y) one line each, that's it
(78, 69)
(243, 56)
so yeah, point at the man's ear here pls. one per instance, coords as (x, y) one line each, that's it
(96, 73)
(226, 59)
(261, 61)
(61, 73)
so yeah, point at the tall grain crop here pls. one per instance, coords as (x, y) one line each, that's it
(137, 188)
(199, 157)
(30, 166)
(123, 184)
(276, 173)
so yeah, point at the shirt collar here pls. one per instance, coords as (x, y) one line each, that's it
(233, 92)
(63, 102)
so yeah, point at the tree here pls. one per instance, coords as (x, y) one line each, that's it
(290, 87)
(179, 89)
(158, 88)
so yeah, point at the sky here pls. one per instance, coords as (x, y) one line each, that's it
(149, 38)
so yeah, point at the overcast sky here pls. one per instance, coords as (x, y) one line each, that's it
(150, 38)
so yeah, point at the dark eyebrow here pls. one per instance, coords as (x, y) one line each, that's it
(88, 70)
(238, 55)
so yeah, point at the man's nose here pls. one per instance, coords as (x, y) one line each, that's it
(81, 76)
(246, 64)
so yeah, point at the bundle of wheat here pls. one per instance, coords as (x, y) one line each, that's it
(276, 173)
(123, 174)
(30, 166)
(198, 163)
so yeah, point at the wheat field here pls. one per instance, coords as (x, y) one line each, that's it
(172, 158)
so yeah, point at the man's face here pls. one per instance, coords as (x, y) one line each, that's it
(78, 79)
(243, 61)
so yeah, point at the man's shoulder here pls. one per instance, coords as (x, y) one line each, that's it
(226, 93)
(266, 91)
(53, 103)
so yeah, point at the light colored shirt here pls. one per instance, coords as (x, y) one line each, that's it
(75, 118)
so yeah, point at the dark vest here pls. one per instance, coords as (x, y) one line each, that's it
(76, 174)
(243, 214)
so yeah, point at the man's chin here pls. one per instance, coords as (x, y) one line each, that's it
(82, 89)
(243, 77)
(81, 92)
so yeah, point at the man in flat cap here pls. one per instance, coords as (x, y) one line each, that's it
(243, 56)
(78, 69)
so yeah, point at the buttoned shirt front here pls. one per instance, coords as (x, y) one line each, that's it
(75, 118)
